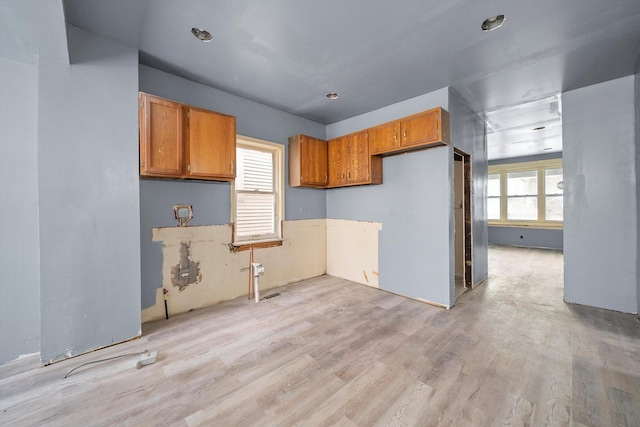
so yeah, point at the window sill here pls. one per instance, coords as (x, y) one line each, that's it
(239, 247)
(524, 224)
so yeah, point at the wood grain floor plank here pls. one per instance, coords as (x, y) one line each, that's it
(331, 352)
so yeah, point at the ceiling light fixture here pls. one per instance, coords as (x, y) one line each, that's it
(333, 95)
(493, 23)
(540, 128)
(201, 34)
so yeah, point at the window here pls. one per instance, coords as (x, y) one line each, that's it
(493, 197)
(522, 195)
(525, 194)
(258, 192)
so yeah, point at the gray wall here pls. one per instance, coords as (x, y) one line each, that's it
(88, 197)
(211, 200)
(469, 135)
(414, 205)
(19, 241)
(600, 216)
(637, 129)
(527, 237)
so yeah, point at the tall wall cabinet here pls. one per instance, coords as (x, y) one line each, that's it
(183, 142)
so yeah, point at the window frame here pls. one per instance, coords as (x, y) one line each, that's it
(241, 243)
(540, 166)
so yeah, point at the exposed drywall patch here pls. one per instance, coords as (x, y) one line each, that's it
(223, 274)
(352, 250)
(187, 270)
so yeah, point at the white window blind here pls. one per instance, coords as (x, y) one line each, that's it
(255, 195)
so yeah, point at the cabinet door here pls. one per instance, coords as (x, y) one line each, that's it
(358, 158)
(338, 161)
(210, 145)
(421, 128)
(384, 138)
(313, 161)
(161, 136)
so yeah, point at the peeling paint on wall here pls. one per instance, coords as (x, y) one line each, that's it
(223, 275)
(352, 250)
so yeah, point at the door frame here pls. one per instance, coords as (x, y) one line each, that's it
(468, 255)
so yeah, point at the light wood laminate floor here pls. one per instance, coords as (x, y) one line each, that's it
(331, 352)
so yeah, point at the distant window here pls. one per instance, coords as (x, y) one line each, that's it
(258, 191)
(525, 194)
(553, 194)
(522, 195)
(493, 197)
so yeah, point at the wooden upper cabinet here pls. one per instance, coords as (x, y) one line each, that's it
(210, 142)
(350, 162)
(423, 130)
(179, 141)
(307, 161)
(161, 137)
(338, 161)
(384, 138)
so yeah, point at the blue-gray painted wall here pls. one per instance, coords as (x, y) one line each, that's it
(600, 210)
(19, 238)
(88, 197)
(637, 129)
(527, 237)
(468, 133)
(211, 201)
(414, 205)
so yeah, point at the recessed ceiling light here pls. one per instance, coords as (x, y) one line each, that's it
(333, 95)
(540, 128)
(493, 23)
(201, 34)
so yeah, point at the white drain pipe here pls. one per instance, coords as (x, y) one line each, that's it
(258, 269)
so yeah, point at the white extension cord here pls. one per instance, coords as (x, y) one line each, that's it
(146, 358)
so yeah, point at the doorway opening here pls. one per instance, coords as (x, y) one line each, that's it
(462, 219)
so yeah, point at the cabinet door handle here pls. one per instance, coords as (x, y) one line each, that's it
(231, 166)
(326, 177)
(348, 175)
(188, 168)
(405, 134)
(395, 135)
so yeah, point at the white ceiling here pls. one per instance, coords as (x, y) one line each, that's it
(290, 53)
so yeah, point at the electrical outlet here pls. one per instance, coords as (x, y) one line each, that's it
(147, 358)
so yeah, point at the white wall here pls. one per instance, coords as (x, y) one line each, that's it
(88, 197)
(19, 241)
(600, 210)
